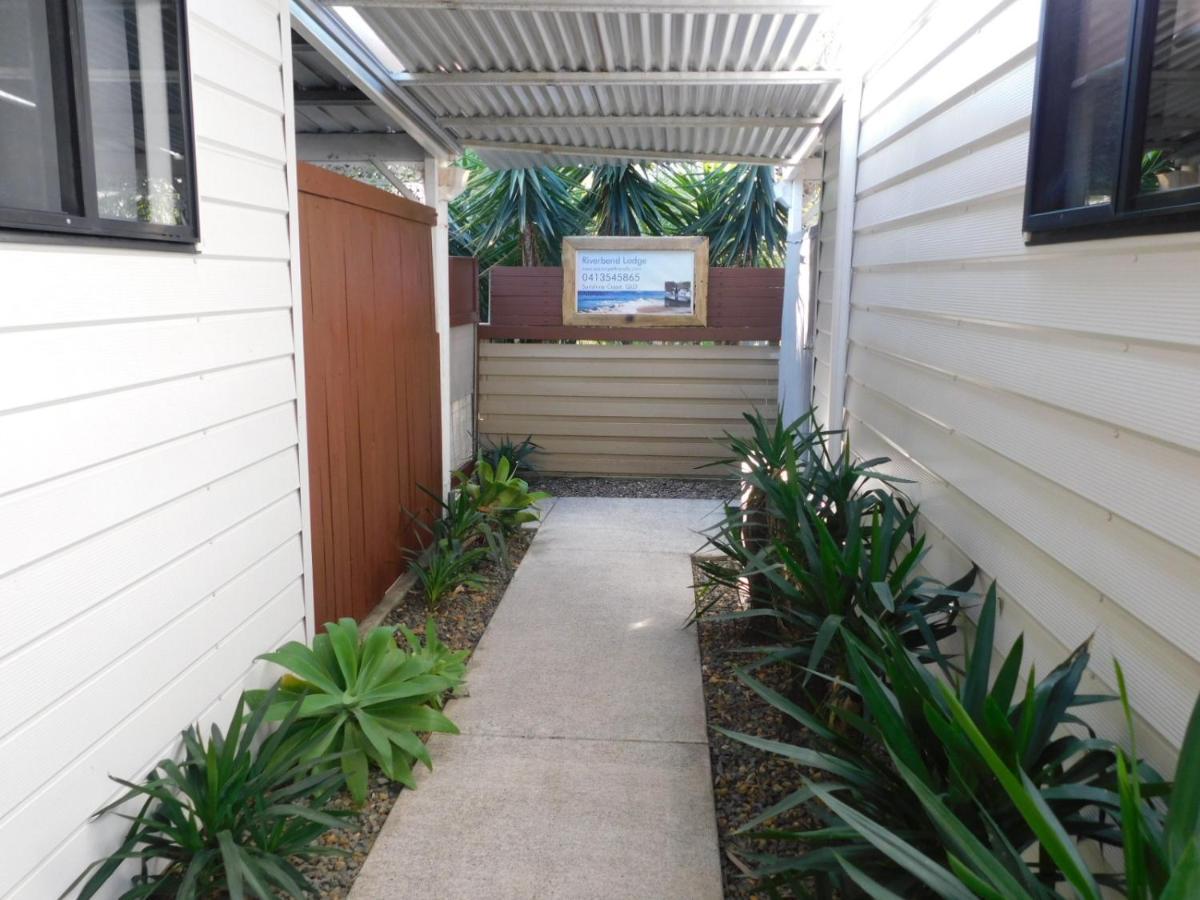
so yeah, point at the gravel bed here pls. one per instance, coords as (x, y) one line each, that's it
(668, 488)
(460, 620)
(745, 780)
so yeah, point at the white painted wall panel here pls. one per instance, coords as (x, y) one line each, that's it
(462, 392)
(151, 524)
(108, 286)
(1042, 399)
(1029, 580)
(998, 42)
(47, 366)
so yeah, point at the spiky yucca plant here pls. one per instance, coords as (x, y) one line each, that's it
(227, 819)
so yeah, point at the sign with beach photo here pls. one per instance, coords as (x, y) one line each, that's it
(635, 281)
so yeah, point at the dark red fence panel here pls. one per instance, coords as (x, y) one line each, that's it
(743, 305)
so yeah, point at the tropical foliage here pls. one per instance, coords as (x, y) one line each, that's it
(826, 550)
(519, 216)
(226, 819)
(930, 775)
(444, 568)
(235, 815)
(517, 453)
(630, 200)
(740, 214)
(501, 495)
(443, 661)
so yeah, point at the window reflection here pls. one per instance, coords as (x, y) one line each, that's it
(29, 176)
(134, 85)
(1171, 147)
(1084, 103)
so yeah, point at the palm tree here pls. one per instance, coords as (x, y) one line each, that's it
(628, 200)
(516, 215)
(745, 223)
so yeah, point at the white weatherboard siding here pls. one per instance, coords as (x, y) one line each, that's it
(1043, 399)
(462, 393)
(824, 262)
(151, 518)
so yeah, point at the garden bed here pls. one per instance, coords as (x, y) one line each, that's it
(461, 620)
(664, 488)
(745, 780)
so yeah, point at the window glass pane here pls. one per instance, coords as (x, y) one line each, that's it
(29, 176)
(133, 79)
(1171, 147)
(1082, 93)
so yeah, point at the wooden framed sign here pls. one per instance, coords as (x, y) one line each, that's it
(635, 281)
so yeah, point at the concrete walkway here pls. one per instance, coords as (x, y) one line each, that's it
(582, 767)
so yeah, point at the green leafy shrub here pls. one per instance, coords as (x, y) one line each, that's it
(461, 521)
(502, 496)
(517, 453)
(363, 698)
(829, 549)
(1159, 826)
(931, 772)
(449, 664)
(444, 568)
(1160, 830)
(227, 818)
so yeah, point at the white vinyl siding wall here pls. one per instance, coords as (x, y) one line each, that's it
(822, 341)
(1044, 399)
(150, 507)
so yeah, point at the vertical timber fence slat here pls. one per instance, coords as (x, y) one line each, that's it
(371, 360)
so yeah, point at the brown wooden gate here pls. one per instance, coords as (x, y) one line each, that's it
(371, 367)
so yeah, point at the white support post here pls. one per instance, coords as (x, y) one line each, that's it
(795, 362)
(843, 253)
(436, 196)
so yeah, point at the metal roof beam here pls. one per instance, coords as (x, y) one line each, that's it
(619, 153)
(362, 147)
(747, 7)
(468, 122)
(332, 97)
(326, 32)
(620, 78)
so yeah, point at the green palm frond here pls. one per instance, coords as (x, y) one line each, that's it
(745, 223)
(516, 216)
(635, 200)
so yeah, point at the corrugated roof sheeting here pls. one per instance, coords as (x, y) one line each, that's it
(450, 41)
(312, 72)
(443, 40)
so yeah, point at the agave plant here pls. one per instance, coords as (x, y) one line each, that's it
(444, 661)
(227, 819)
(363, 698)
(933, 798)
(500, 494)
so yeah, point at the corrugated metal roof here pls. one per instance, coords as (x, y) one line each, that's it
(533, 86)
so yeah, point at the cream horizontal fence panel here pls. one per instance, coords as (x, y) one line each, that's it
(1041, 399)
(623, 410)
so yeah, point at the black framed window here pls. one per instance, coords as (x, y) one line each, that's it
(95, 119)
(1115, 143)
